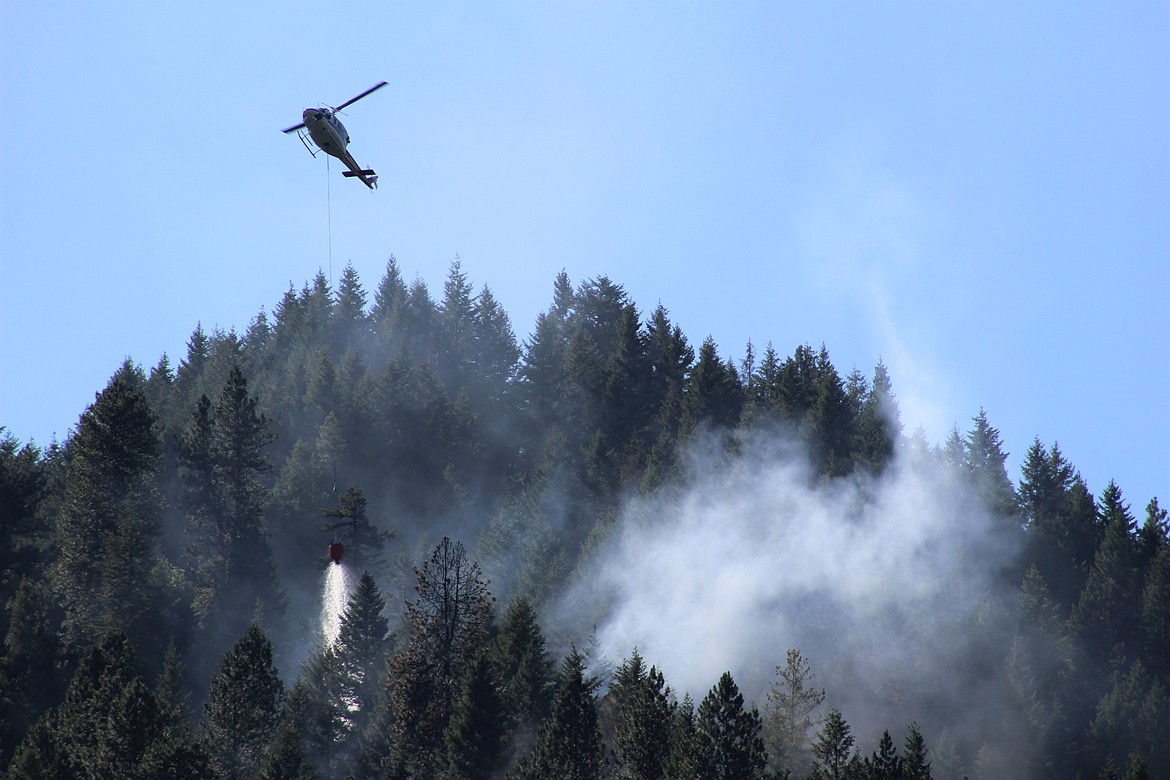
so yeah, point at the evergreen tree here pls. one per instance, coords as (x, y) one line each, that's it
(350, 523)
(189, 376)
(448, 627)
(714, 394)
(1060, 517)
(349, 319)
(1132, 718)
(682, 759)
(323, 721)
(226, 457)
(109, 522)
(833, 748)
(791, 713)
(915, 762)
(985, 467)
(879, 424)
(1107, 612)
(642, 719)
(525, 668)
(108, 723)
(884, 764)
(23, 485)
(243, 707)
(497, 353)
(361, 649)
(41, 755)
(477, 733)
(287, 759)
(1155, 612)
(728, 737)
(387, 311)
(29, 667)
(568, 745)
(541, 373)
(456, 329)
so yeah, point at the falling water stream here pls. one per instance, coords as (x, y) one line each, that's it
(334, 598)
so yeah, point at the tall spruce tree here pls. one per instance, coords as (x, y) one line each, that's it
(243, 707)
(833, 749)
(525, 669)
(729, 741)
(642, 719)
(476, 735)
(915, 756)
(568, 746)
(106, 727)
(225, 460)
(1107, 612)
(108, 527)
(287, 758)
(361, 649)
(30, 675)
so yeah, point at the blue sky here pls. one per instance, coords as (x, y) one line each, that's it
(976, 194)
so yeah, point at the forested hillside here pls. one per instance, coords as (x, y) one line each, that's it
(605, 551)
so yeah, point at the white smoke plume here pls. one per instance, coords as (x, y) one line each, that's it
(885, 584)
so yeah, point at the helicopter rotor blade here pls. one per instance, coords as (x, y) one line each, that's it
(293, 128)
(374, 88)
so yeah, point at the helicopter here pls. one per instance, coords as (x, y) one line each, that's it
(326, 131)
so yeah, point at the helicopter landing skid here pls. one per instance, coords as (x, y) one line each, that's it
(301, 134)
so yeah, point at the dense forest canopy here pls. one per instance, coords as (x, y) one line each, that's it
(606, 551)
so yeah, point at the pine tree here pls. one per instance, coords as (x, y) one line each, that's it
(349, 318)
(729, 743)
(237, 448)
(287, 759)
(791, 713)
(361, 649)
(323, 721)
(985, 468)
(832, 749)
(41, 755)
(1155, 612)
(109, 523)
(1107, 612)
(1061, 521)
(884, 764)
(243, 706)
(682, 760)
(476, 735)
(448, 628)
(525, 667)
(29, 667)
(915, 762)
(879, 424)
(714, 395)
(108, 724)
(23, 485)
(642, 719)
(497, 353)
(387, 311)
(1132, 717)
(456, 329)
(568, 746)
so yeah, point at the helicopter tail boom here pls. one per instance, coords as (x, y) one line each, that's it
(368, 177)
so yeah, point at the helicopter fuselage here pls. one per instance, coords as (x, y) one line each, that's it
(330, 137)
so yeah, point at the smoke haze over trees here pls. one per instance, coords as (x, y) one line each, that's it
(605, 551)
